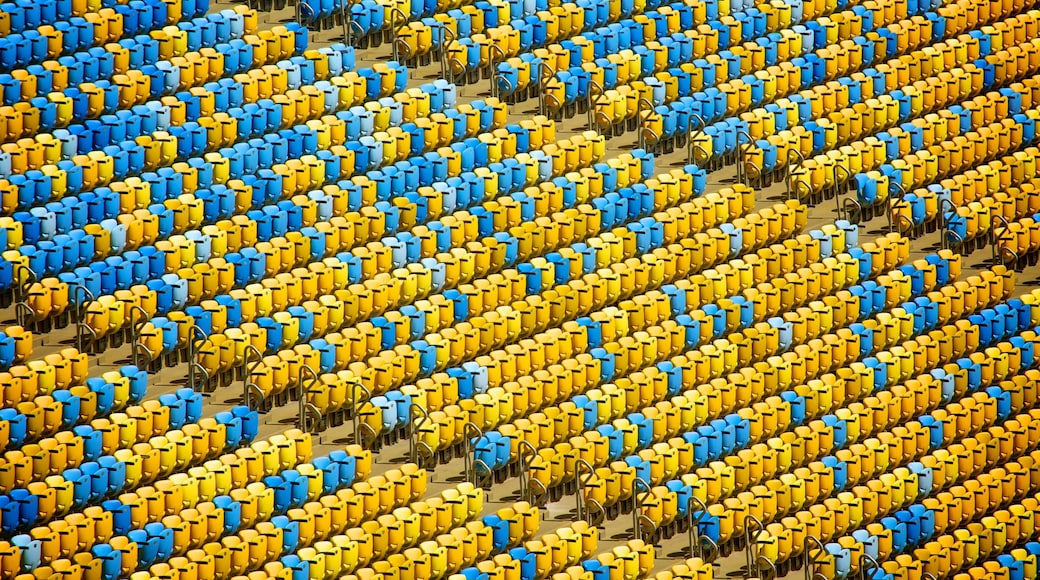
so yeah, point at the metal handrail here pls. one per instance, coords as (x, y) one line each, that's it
(996, 235)
(355, 26)
(944, 223)
(249, 388)
(443, 52)
(892, 199)
(139, 346)
(741, 153)
(135, 328)
(498, 77)
(637, 532)
(24, 314)
(193, 350)
(696, 130)
(487, 470)
(944, 240)
(451, 71)
(751, 544)
(866, 559)
(79, 309)
(788, 167)
(492, 51)
(714, 548)
(579, 486)
(347, 17)
(20, 288)
(837, 192)
(767, 562)
(811, 561)
(692, 137)
(469, 469)
(400, 42)
(690, 159)
(354, 388)
(758, 171)
(799, 184)
(413, 429)
(592, 102)
(525, 477)
(844, 212)
(928, 576)
(694, 531)
(902, 219)
(86, 327)
(394, 29)
(641, 139)
(542, 77)
(597, 505)
(306, 408)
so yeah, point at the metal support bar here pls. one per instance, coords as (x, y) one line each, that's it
(996, 237)
(413, 430)
(865, 561)
(193, 349)
(810, 560)
(643, 120)
(543, 68)
(394, 12)
(694, 531)
(357, 387)
(751, 544)
(595, 90)
(892, 200)
(579, 486)
(251, 391)
(307, 409)
(525, 465)
(79, 310)
(468, 460)
(837, 191)
(741, 153)
(494, 50)
(637, 532)
(135, 329)
(443, 52)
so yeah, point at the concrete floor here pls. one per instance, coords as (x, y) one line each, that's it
(555, 514)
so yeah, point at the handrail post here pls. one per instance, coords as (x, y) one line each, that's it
(694, 132)
(443, 52)
(79, 309)
(579, 486)
(866, 559)
(694, 530)
(810, 560)
(493, 50)
(837, 191)
(788, 168)
(637, 531)
(394, 30)
(193, 349)
(741, 152)
(413, 430)
(892, 202)
(543, 68)
(751, 544)
(469, 461)
(356, 387)
(758, 171)
(248, 387)
(594, 89)
(135, 330)
(799, 185)
(21, 295)
(305, 407)
(641, 138)
(525, 477)
(996, 235)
